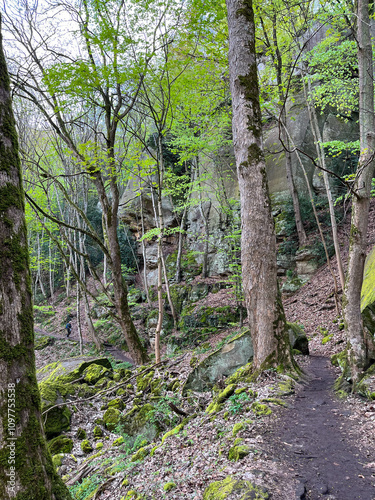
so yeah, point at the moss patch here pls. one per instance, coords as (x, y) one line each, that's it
(241, 490)
(60, 444)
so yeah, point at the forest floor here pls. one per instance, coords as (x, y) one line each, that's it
(317, 446)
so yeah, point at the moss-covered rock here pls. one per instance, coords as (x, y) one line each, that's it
(93, 373)
(118, 441)
(297, 338)
(197, 317)
(366, 387)
(138, 421)
(56, 382)
(98, 431)
(86, 446)
(237, 428)
(238, 452)
(60, 444)
(111, 418)
(169, 486)
(222, 363)
(116, 403)
(57, 460)
(231, 488)
(81, 433)
(260, 410)
(143, 381)
(141, 454)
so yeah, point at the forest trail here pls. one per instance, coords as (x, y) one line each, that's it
(312, 437)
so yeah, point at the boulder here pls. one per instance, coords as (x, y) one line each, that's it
(297, 338)
(60, 444)
(221, 363)
(138, 421)
(306, 263)
(232, 488)
(56, 382)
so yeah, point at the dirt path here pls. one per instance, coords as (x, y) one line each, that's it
(312, 438)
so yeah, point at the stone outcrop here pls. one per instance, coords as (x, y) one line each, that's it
(222, 363)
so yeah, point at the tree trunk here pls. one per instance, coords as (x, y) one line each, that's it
(79, 329)
(178, 274)
(136, 349)
(26, 469)
(144, 254)
(361, 348)
(292, 187)
(322, 161)
(258, 242)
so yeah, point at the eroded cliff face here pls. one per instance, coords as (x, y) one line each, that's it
(213, 208)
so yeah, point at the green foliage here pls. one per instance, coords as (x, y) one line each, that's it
(83, 490)
(162, 413)
(336, 84)
(237, 402)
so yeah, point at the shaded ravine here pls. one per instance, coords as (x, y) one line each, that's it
(312, 438)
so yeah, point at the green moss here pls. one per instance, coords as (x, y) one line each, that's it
(237, 428)
(86, 446)
(111, 418)
(243, 374)
(60, 444)
(81, 433)
(368, 285)
(141, 454)
(116, 403)
(213, 407)
(118, 441)
(98, 432)
(93, 373)
(57, 460)
(152, 452)
(143, 381)
(169, 486)
(238, 452)
(340, 359)
(99, 445)
(260, 410)
(137, 420)
(286, 387)
(226, 393)
(232, 488)
(172, 432)
(327, 338)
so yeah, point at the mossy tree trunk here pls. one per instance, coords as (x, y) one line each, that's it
(258, 242)
(361, 347)
(24, 458)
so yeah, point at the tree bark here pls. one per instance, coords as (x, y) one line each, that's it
(26, 469)
(361, 347)
(258, 241)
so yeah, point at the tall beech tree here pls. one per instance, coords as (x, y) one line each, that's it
(26, 469)
(258, 241)
(361, 349)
